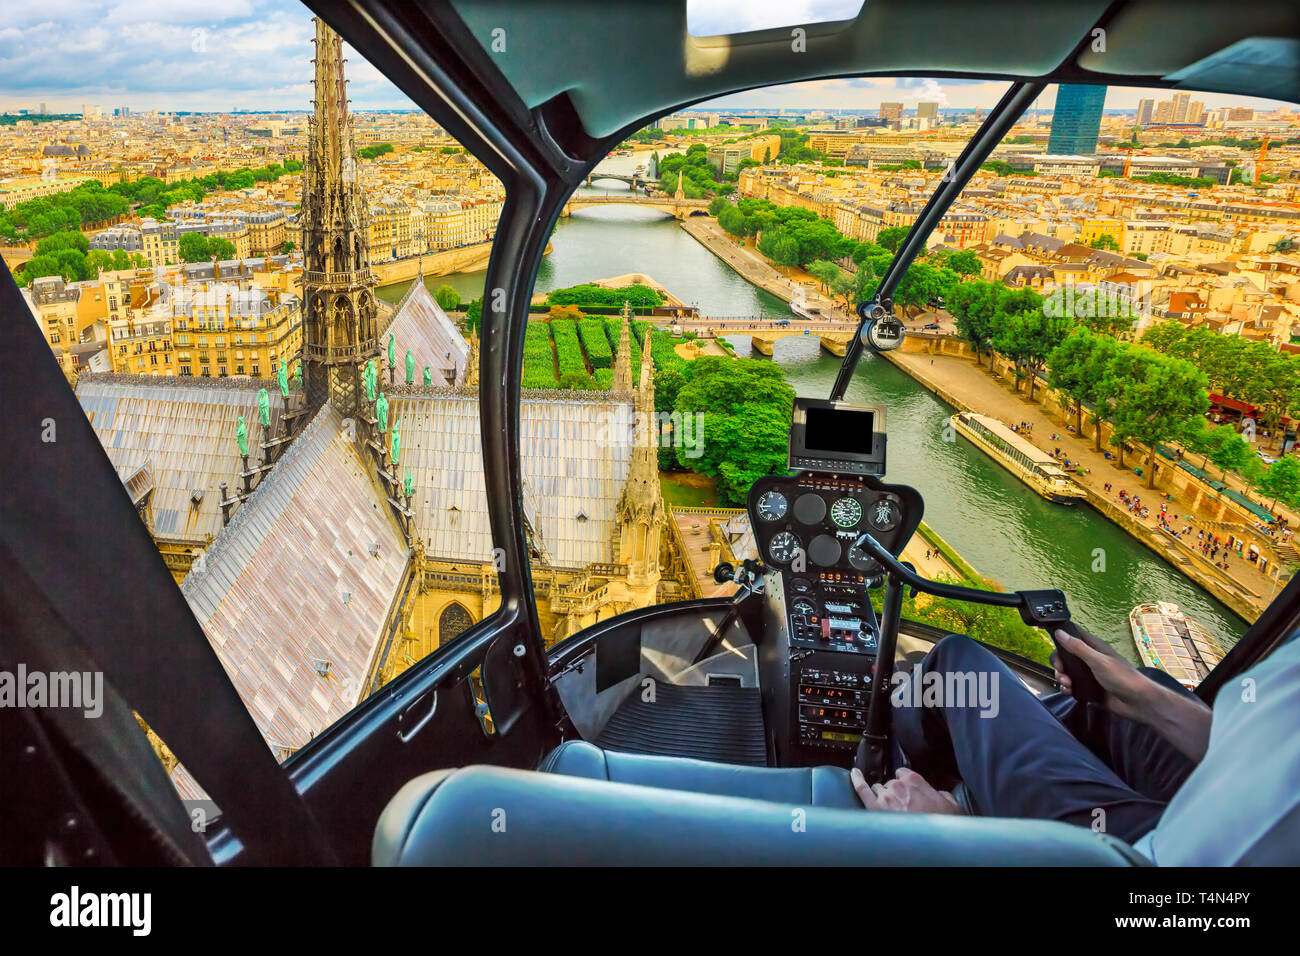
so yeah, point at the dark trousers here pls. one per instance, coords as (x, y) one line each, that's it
(1050, 759)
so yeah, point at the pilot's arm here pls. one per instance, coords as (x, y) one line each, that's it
(1181, 719)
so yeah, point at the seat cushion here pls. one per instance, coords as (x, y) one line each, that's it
(498, 816)
(797, 786)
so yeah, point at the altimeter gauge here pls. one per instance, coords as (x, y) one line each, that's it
(846, 512)
(783, 547)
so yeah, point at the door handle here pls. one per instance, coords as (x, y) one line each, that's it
(407, 717)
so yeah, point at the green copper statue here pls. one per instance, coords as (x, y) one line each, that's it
(381, 412)
(372, 379)
(392, 350)
(283, 378)
(397, 441)
(264, 407)
(241, 436)
(410, 367)
(297, 375)
(408, 486)
(428, 375)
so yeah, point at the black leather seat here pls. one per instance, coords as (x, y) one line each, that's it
(498, 816)
(796, 786)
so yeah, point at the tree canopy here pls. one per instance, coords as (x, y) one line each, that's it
(746, 407)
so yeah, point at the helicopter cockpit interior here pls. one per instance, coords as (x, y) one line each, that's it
(679, 733)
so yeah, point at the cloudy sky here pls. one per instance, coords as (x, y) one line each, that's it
(216, 55)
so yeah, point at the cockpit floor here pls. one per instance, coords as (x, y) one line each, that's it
(719, 723)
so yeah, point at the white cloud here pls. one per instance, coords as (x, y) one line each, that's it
(256, 54)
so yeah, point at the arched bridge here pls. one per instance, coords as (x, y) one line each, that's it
(677, 208)
(632, 179)
(763, 332)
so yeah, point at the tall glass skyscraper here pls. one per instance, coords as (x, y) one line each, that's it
(1076, 120)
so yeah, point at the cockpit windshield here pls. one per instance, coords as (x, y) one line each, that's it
(1013, 337)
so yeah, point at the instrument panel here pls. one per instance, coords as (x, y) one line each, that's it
(807, 523)
(819, 604)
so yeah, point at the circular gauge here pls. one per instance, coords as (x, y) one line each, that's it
(862, 561)
(825, 550)
(810, 509)
(846, 512)
(884, 514)
(803, 606)
(771, 506)
(801, 586)
(783, 547)
(884, 334)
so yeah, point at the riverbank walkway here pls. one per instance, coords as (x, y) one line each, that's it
(755, 269)
(960, 381)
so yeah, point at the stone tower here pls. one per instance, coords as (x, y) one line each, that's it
(641, 512)
(470, 379)
(622, 381)
(340, 323)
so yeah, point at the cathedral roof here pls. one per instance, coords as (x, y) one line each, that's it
(184, 430)
(295, 593)
(422, 326)
(574, 470)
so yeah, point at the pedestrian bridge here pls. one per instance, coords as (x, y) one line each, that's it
(632, 179)
(677, 208)
(763, 332)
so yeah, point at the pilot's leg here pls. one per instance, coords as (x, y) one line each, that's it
(1143, 759)
(1014, 757)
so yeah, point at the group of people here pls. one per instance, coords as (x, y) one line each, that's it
(1076, 466)
(1024, 428)
(1132, 502)
(1279, 532)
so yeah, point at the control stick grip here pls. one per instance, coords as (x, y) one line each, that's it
(1083, 683)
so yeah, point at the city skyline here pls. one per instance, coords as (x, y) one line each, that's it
(248, 55)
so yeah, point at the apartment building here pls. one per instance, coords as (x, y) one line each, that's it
(141, 347)
(232, 327)
(267, 232)
(161, 242)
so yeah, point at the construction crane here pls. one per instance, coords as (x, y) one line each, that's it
(1261, 159)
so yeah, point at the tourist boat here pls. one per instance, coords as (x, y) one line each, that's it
(799, 308)
(673, 733)
(1168, 639)
(1035, 467)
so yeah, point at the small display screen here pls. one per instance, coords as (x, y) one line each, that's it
(846, 738)
(839, 430)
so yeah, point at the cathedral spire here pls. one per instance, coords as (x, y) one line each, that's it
(645, 394)
(622, 381)
(641, 512)
(340, 318)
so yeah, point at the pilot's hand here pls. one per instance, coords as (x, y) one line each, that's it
(1127, 691)
(908, 792)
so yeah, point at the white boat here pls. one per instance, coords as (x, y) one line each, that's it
(1168, 639)
(804, 312)
(1035, 467)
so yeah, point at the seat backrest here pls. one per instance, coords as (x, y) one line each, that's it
(493, 815)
